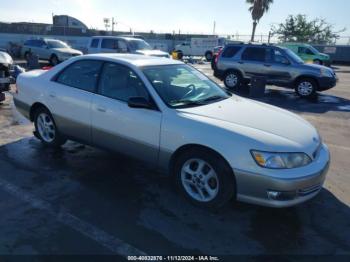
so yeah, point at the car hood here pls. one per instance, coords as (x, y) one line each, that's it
(152, 53)
(67, 50)
(274, 128)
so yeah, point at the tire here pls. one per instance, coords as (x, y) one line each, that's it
(46, 129)
(318, 62)
(220, 184)
(208, 56)
(26, 56)
(180, 55)
(306, 87)
(54, 60)
(213, 64)
(232, 79)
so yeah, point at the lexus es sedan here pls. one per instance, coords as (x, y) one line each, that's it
(217, 146)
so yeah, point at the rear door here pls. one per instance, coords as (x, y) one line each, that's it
(70, 96)
(253, 61)
(116, 126)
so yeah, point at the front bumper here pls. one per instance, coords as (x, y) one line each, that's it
(261, 189)
(326, 83)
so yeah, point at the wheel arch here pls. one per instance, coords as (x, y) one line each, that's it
(306, 77)
(186, 147)
(33, 108)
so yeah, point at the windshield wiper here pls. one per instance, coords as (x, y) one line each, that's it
(212, 98)
(186, 103)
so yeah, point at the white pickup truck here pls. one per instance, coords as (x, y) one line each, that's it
(5, 79)
(199, 47)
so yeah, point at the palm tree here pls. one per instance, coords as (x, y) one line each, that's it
(258, 8)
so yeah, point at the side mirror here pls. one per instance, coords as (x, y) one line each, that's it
(139, 102)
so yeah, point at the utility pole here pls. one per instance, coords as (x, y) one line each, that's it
(113, 23)
(214, 27)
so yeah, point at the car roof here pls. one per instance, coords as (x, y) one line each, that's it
(136, 60)
(115, 37)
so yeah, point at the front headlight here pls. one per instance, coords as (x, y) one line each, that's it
(326, 72)
(280, 160)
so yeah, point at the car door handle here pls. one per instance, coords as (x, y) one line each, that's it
(101, 109)
(240, 62)
(53, 95)
(267, 65)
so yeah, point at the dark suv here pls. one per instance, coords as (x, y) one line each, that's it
(238, 63)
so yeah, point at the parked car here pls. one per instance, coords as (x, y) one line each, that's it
(5, 76)
(216, 52)
(52, 50)
(199, 47)
(115, 44)
(152, 108)
(308, 53)
(280, 66)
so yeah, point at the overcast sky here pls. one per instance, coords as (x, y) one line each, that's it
(195, 16)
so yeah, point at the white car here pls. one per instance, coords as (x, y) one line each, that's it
(122, 44)
(217, 146)
(52, 50)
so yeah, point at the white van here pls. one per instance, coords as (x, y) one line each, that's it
(117, 44)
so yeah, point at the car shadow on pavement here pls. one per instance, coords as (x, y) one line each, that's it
(287, 99)
(130, 199)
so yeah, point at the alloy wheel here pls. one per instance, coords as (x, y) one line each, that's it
(199, 180)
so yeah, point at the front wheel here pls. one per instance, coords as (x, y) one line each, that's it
(318, 62)
(306, 88)
(46, 129)
(204, 178)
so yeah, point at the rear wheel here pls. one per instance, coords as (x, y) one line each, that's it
(46, 129)
(54, 60)
(180, 55)
(232, 79)
(208, 56)
(306, 87)
(204, 178)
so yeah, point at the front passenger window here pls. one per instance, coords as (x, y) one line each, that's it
(120, 82)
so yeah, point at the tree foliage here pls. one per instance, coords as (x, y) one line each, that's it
(258, 8)
(299, 29)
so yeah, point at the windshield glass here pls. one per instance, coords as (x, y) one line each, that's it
(56, 44)
(294, 57)
(183, 86)
(137, 44)
(314, 50)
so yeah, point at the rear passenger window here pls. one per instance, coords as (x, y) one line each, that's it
(109, 43)
(94, 43)
(82, 75)
(231, 51)
(120, 82)
(254, 54)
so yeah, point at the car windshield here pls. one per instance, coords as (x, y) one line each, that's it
(56, 44)
(137, 44)
(313, 49)
(294, 57)
(183, 86)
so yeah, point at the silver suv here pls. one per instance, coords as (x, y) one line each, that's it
(238, 63)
